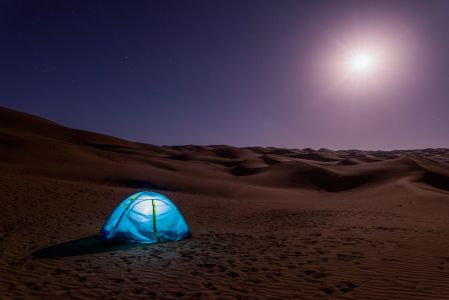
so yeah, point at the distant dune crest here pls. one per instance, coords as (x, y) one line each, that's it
(29, 139)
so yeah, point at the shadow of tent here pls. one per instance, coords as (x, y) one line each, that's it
(83, 246)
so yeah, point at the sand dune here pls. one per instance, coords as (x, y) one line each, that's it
(267, 222)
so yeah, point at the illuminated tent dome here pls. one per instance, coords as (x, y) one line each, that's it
(145, 217)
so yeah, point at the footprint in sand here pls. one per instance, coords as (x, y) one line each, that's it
(346, 286)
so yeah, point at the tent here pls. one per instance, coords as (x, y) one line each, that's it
(145, 217)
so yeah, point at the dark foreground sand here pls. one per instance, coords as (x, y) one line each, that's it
(267, 222)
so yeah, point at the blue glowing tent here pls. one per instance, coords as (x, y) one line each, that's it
(145, 217)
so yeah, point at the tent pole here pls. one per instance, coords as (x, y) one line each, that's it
(154, 221)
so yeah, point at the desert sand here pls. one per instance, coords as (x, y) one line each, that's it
(267, 223)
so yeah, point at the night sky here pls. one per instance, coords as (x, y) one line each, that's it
(243, 73)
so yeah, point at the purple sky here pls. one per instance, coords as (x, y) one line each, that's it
(243, 73)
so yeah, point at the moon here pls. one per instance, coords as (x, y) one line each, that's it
(362, 62)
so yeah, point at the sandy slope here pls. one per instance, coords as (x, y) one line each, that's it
(267, 222)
